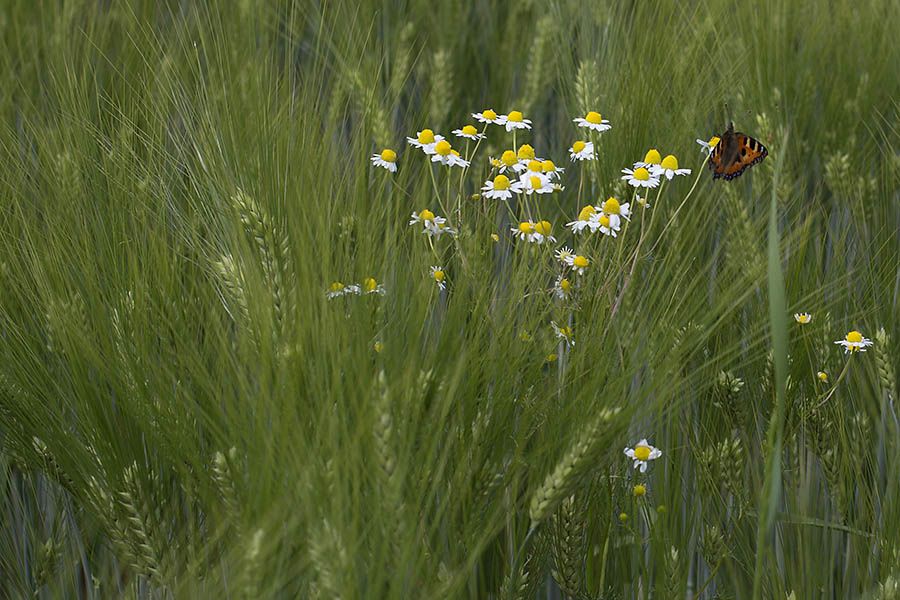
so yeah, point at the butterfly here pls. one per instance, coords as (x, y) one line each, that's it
(735, 153)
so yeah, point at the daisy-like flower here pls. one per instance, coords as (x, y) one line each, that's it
(488, 116)
(802, 318)
(562, 288)
(498, 189)
(594, 121)
(708, 146)
(335, 290)
(642, 454)
(446, 155)
(533, 183)
(433, 225)
(639, 490)
(642, 202)
(854, 341)
(669, 168)
(508, 162)
(426, 217)
(524, 155)
(533, 233)
(371, 286)
(616, 212)
(563, 254)
(386, 160)
(425, 140)
(578, 263)
(823, 376)
(640, 177)
(551, 170)
(564, 333)
(581, 150)
(468, 132)
(515, 120)
(584, 220)
(440, 278)
(651, 160)
(603, 222)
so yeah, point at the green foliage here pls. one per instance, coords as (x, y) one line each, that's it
(185, 413)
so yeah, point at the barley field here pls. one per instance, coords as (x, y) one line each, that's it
(333, 299)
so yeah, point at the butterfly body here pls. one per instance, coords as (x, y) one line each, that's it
(735, 153)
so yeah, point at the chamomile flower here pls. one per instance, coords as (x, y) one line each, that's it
(594, 121)
(651, 160)
(515, 120)
(335, 290)
(446, 155)
(854, 342)
(642, 454)
(564, 333)
(562, 287)
(425, 217)
(669, 168)
(386, 160)
(440, 278)
(551, 170)
(563, 254)
(603, 223)
(578, 263)
(498, 189)
(534, 183)
(615, 211)
(802, 318)
(584, 220)
(468, 132)
(641, 201)
(433, 225)
(640, 177)
(371, 286)
(508, 161)
(488, 116)
(823, 376)
(425, 140)
(533, 233)
(708, 146)
(524, 155)
(581, 150)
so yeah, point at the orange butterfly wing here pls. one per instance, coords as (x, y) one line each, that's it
(734, 154)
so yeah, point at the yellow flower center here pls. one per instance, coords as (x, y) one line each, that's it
(526, 152)
(337, 286)
(378, 347)
(370, 284)
(438, 275)
(501, 182)
(454, 152)
(586, 213)
(642, 174)
(604, 221)
(551, 357)
(854, 337)
(535, 166)
(642, 453)
(426, 136)
(489, 114)
(652, 156)
(442, 147)
(495, 237)
(509, 158)
(426, 215)
(581, 262)
(536, 182)
(469, 130)
(578, 146)
(593, 117)
(670, 162)
(823, 376)
(515, 116)
(543, 228)
(639, 490)
(611, 206)
(388, 155)
(548, 166)
(713, 141)
(565, 285)
(526, 227)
